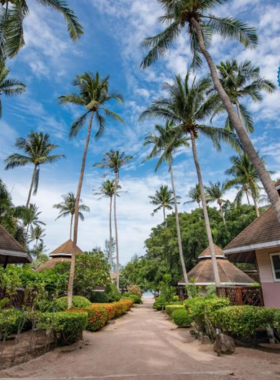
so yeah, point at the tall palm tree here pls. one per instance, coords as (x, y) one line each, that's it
(188, 106)
(114, 161)
(12, 15)
(164, 199)
(30, 216)
(215, 193)
(37, 149)
(246, 177)
(194, 18)
(8, 86)
(93, 95)
(194, 195)
(67, 208)
(241, 81)
(37, 233)
(107, 190)
(165, 142)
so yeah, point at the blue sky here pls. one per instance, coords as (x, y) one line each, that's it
(111, 45)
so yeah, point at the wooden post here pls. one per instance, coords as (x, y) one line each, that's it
(239, 298)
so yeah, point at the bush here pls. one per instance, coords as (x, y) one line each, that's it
(11, 322)
(181, 318)
(112, 293)
(78, 302)
(99, 297)
(120, 308)
(159, 304)
(244, 321)
(135, 299)
(276, 323)
(109, 307)
(66, 326)
(97, 318)
(128, 303)
(135, 289)
(170, 308)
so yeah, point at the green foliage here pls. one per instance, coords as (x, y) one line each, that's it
(159, 304)
(97, 318)
(112, 293)
(193, 290)
(11, 322)
(135, 298)
(78, 302)
(167, 292)
(99, 297)
(276, 323)
(135, 289)
(181, 317)
(171, 308)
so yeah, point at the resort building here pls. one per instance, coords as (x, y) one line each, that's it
(260, 243)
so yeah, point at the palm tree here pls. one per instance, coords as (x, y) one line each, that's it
(67, 208)
(30, 216)
(241, 81)
(194, 195)
(195, 18)
(215, 193)
(164, 199)
(37, 233)
(93, 94)
(37, 149)
(165, 142)
(188, 107)
(107, 190)
(12, 15)
(246, 178)
(8, 86)
(114, 160)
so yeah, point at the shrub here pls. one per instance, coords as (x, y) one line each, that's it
(128, 303)
(11, 322)
(159, 304)
(276, 323)
(170, 308)
(97, 318)
(135, 299)
(109, 307)
(244, 321)
(67, 326)
(99, 297)
(112, 293)
(78, 302)
(134, 289)
(126, 295)
(181, 318)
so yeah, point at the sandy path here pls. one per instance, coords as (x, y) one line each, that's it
(145, 345)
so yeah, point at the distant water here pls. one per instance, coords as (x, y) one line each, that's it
(148, 295)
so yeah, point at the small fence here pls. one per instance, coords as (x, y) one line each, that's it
(242, 295)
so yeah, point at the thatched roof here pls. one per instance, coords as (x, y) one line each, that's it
(229, 273)
(66, 249)
(11, 252)
(52, 263)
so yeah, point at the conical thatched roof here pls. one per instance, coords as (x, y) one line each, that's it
(229, 273)
(52, 263)
(11, 252)
(66, 249)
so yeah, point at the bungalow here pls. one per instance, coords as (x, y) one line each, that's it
(260, 243)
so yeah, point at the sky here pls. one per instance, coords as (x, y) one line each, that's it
(110, 45)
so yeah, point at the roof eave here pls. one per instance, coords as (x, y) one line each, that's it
(252, 247)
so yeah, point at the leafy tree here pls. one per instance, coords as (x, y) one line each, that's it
(164, 143)
(195, 18)
(194, 195)
(8, 86)
(37, 233)
(12, 15)
(68, 208)
(29, 216)
(164, 199)
(114, 161)
(240, 81)
(37, 149)
(215, 193)
(93, 95)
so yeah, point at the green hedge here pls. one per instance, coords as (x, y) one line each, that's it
(181, 318)
(136, 299)
(78, 302)
(159, 304)
(11, 322)
(170, 308)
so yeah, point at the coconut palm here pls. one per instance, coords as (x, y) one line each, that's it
(194, 19)
(8, 86)
(215, 193)
(164, 199)
(194, 195)
(245, 178)
(188, 106)
(12, 15)
(241, 81)
(93, 95)
(107, 190)
(37, 149)
(114, 161)
(67, 208)
(37, 233)
(164, 143)
(30, 216)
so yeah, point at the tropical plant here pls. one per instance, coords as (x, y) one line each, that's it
(37, 233)
(93, 94)
(8, 86)
(107, 190)
(241, 81)
(67, 208)
(215, 193)
(37, 148)
(12, 15)
(164, 199)
(195, 18)
(114, 161)
(29, 216)
(194, 195)
(164, 143)
(188, 106)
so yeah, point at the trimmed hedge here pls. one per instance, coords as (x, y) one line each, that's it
(171, 308)
(181, 318)
(128, 303)
(78, 302)
(11, 321)
(110, 308)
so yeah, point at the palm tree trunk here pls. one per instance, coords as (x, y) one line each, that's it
(76, 219)
(31, 186)
(205, 212)
(178, 224)
(242, 134)
(116, 230)
(240, 116)
(71, 226)
(164, 217)
(256, 206)
(222, 213)
(110, 235)
(247, 196)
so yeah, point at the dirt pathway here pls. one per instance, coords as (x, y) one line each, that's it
(145, 345)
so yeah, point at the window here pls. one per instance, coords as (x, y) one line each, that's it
(275, 260)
